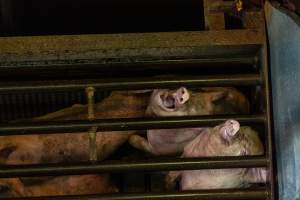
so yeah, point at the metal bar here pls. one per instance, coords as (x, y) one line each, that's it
(137, 63)
(158, 164)
(95, 46)
(127, 84)
(90, 93)
(124, 124)
(229, 194)
(268, 112)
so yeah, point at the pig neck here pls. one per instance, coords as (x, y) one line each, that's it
(251, 141)
(198, 106)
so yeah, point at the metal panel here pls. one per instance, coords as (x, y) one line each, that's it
(284, 34)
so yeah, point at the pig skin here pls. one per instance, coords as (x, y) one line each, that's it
(60, 186)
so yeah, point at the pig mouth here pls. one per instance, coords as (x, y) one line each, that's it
(168, 101)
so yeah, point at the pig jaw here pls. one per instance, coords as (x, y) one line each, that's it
(212, 179)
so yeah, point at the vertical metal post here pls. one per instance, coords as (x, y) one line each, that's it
(90, 93)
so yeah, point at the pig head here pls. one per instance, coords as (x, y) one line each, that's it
(227, 139)
(182, 102)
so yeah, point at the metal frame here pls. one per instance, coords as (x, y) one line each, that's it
(34, 53)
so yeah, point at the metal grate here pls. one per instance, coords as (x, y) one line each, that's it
(156, 46)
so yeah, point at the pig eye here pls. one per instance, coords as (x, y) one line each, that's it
(182, 91)
(181, 99)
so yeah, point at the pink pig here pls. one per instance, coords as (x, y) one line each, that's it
(227, 139)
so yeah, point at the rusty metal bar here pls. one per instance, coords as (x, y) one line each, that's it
(157, 164)
(124, 124)
(69, 47)
(229, 194)
(90, 93)
(132, 84)
(137, 63)
(266, 92)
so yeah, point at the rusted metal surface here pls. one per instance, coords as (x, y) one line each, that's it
(254, 20)
(132, 84)
(64, 48)
(268, 113)
(214, 18)
(155, 164)
(231, 194)
(124, 124)
(90, 93)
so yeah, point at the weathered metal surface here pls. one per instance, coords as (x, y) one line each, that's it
(266, 93)
(157, 164)
(132, 84)
(64, 48)
(124, 124)
(254, 20)
(213, 20)
(231, 194)
(284, 34)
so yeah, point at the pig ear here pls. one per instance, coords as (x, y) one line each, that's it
(229, 129)
(5, 152)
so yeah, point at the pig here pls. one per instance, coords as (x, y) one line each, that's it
(182, 102)
(62, 185)
(227, 139)
(61, 147)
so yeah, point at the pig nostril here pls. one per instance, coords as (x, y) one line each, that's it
(182, 91)
(181, 99)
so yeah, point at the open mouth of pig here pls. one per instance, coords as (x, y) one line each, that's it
(168, 101)
(174, 100)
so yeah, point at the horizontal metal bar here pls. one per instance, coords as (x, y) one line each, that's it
(229, 194)
(14, 49)
(133, 63)
(132, 84)
(124, 124)
(157, 164)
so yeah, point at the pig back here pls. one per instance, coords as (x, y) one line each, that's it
(64, 147)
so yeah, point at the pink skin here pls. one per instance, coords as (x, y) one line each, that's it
(227, 139)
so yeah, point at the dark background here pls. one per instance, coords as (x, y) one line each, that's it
(35, 17)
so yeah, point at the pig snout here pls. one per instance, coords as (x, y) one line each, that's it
(182, 95)
(229, 129)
